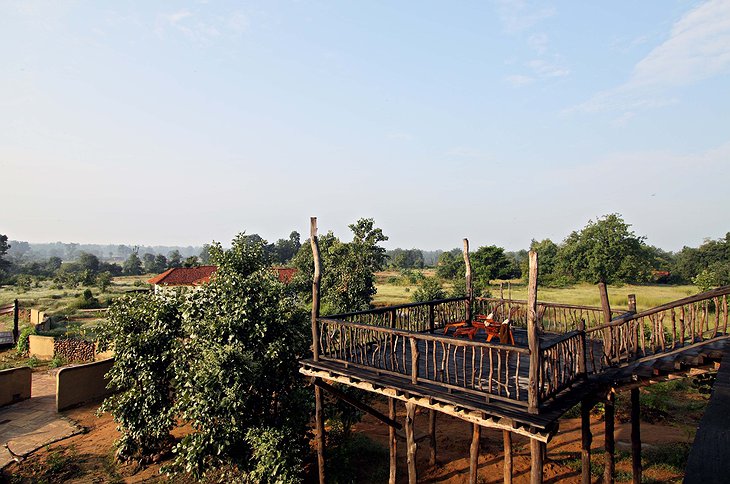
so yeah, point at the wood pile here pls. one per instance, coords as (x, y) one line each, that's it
(72, 349)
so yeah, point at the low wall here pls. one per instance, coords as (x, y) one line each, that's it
(80, 384)
(14, 385)
(41, 346)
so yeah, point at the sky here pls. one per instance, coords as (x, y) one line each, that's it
(178, 123)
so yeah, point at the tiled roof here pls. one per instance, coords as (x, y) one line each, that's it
(184, 276)
(286, 274)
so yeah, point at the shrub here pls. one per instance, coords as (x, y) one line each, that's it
(22, 346)
(429, 290)
(143, 329)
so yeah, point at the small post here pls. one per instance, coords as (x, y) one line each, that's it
(392, 441)
(431, 317)
(507, 436)
(610, 444)
(635, 436)
(533, 337)
(583, 353)
(536, 451)
(411, 445)
(432, 436)
(606, 305)
(318, 411)
(632, 303)
(586, 440)
(16, 314)
(476, 435)
(501, 290)
(469, 287)
(414, 361)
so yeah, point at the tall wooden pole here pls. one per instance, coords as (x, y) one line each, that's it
(586, 440)
(392, 442)
(632, 302)
(536, 451)
(507, 436)
(533, 337)
(635, 436)
(610, 445)
(476, 436)
(411, 445)
(318, 411)
(606, 305)
(469, 286)
(432, 436)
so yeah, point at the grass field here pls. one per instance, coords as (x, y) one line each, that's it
(647, 296)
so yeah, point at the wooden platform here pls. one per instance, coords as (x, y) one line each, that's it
(710, 454)
(6, 338)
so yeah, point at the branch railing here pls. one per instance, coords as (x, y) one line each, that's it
(663, 329)
(562, 363)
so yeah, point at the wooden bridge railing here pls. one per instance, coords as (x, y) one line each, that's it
(663, 329)
(553, 317)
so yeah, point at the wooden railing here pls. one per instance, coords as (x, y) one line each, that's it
(490, 371)
(659, 330)
(552, 317)
(562, 363)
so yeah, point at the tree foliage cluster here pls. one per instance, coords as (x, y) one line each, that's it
(405, 259)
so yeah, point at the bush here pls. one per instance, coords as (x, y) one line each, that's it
(22, 346)
(429, 290)
(271, 461)
(143, 329)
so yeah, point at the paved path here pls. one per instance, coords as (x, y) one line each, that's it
(33, 423)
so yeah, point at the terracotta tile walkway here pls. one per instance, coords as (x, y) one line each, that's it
(31, 424)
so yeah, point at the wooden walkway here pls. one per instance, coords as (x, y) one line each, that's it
(6, 338)
(710, 454)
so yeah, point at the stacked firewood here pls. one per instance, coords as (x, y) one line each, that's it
(71, 349)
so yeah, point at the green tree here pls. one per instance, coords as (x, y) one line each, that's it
(103, 280)
(160, 264)
(174, 259)
(144, 331)
(605, 250)
(148, 262)
(88, 262)
(191, 261)
(4, 264)
(428, 290)
(132, 266)
(450, 264)
(238, 377)
(286, 249)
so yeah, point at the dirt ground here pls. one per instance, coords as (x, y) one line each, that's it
(88, 457)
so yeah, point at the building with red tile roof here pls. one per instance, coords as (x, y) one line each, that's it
(183, 276)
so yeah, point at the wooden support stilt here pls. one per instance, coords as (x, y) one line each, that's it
(536, 457)
(469, 286)
(432, 436)
(610, 465)
(533, 337)
(411, 445)
(635, 436)
(318, 412)
(507, 435)
(319, 432)
(586, 440)
(606, 305)
(392, 441)
(476, 436)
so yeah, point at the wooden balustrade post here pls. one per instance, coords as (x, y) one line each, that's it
(507, 436)
(610, 444)
(318, 411)
(392, 442)
(586, 440)
(476, 436)
(635, 436)
(582, 349)
(469, 287)
(432, 436)
(533, 337)
(431, 317)
(411, 445)
(414, 360)
(632, 303)
(16, 315)
(606, 305)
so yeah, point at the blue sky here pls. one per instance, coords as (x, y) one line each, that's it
(503, 121)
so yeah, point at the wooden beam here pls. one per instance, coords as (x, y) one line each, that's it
(357, 403)
(315, 286)
(507, 436)
(586, 440)
(635, 436)
(469, 286)
(432, 436)
(610, 445)
(536, 471)
(533, 337)
(606, 305)
(476, 436)
(411, 445)
(319, 433)
(392, 442)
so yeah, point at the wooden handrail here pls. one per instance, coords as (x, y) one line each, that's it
(546, 304)
(385, 309)
(560, 339)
